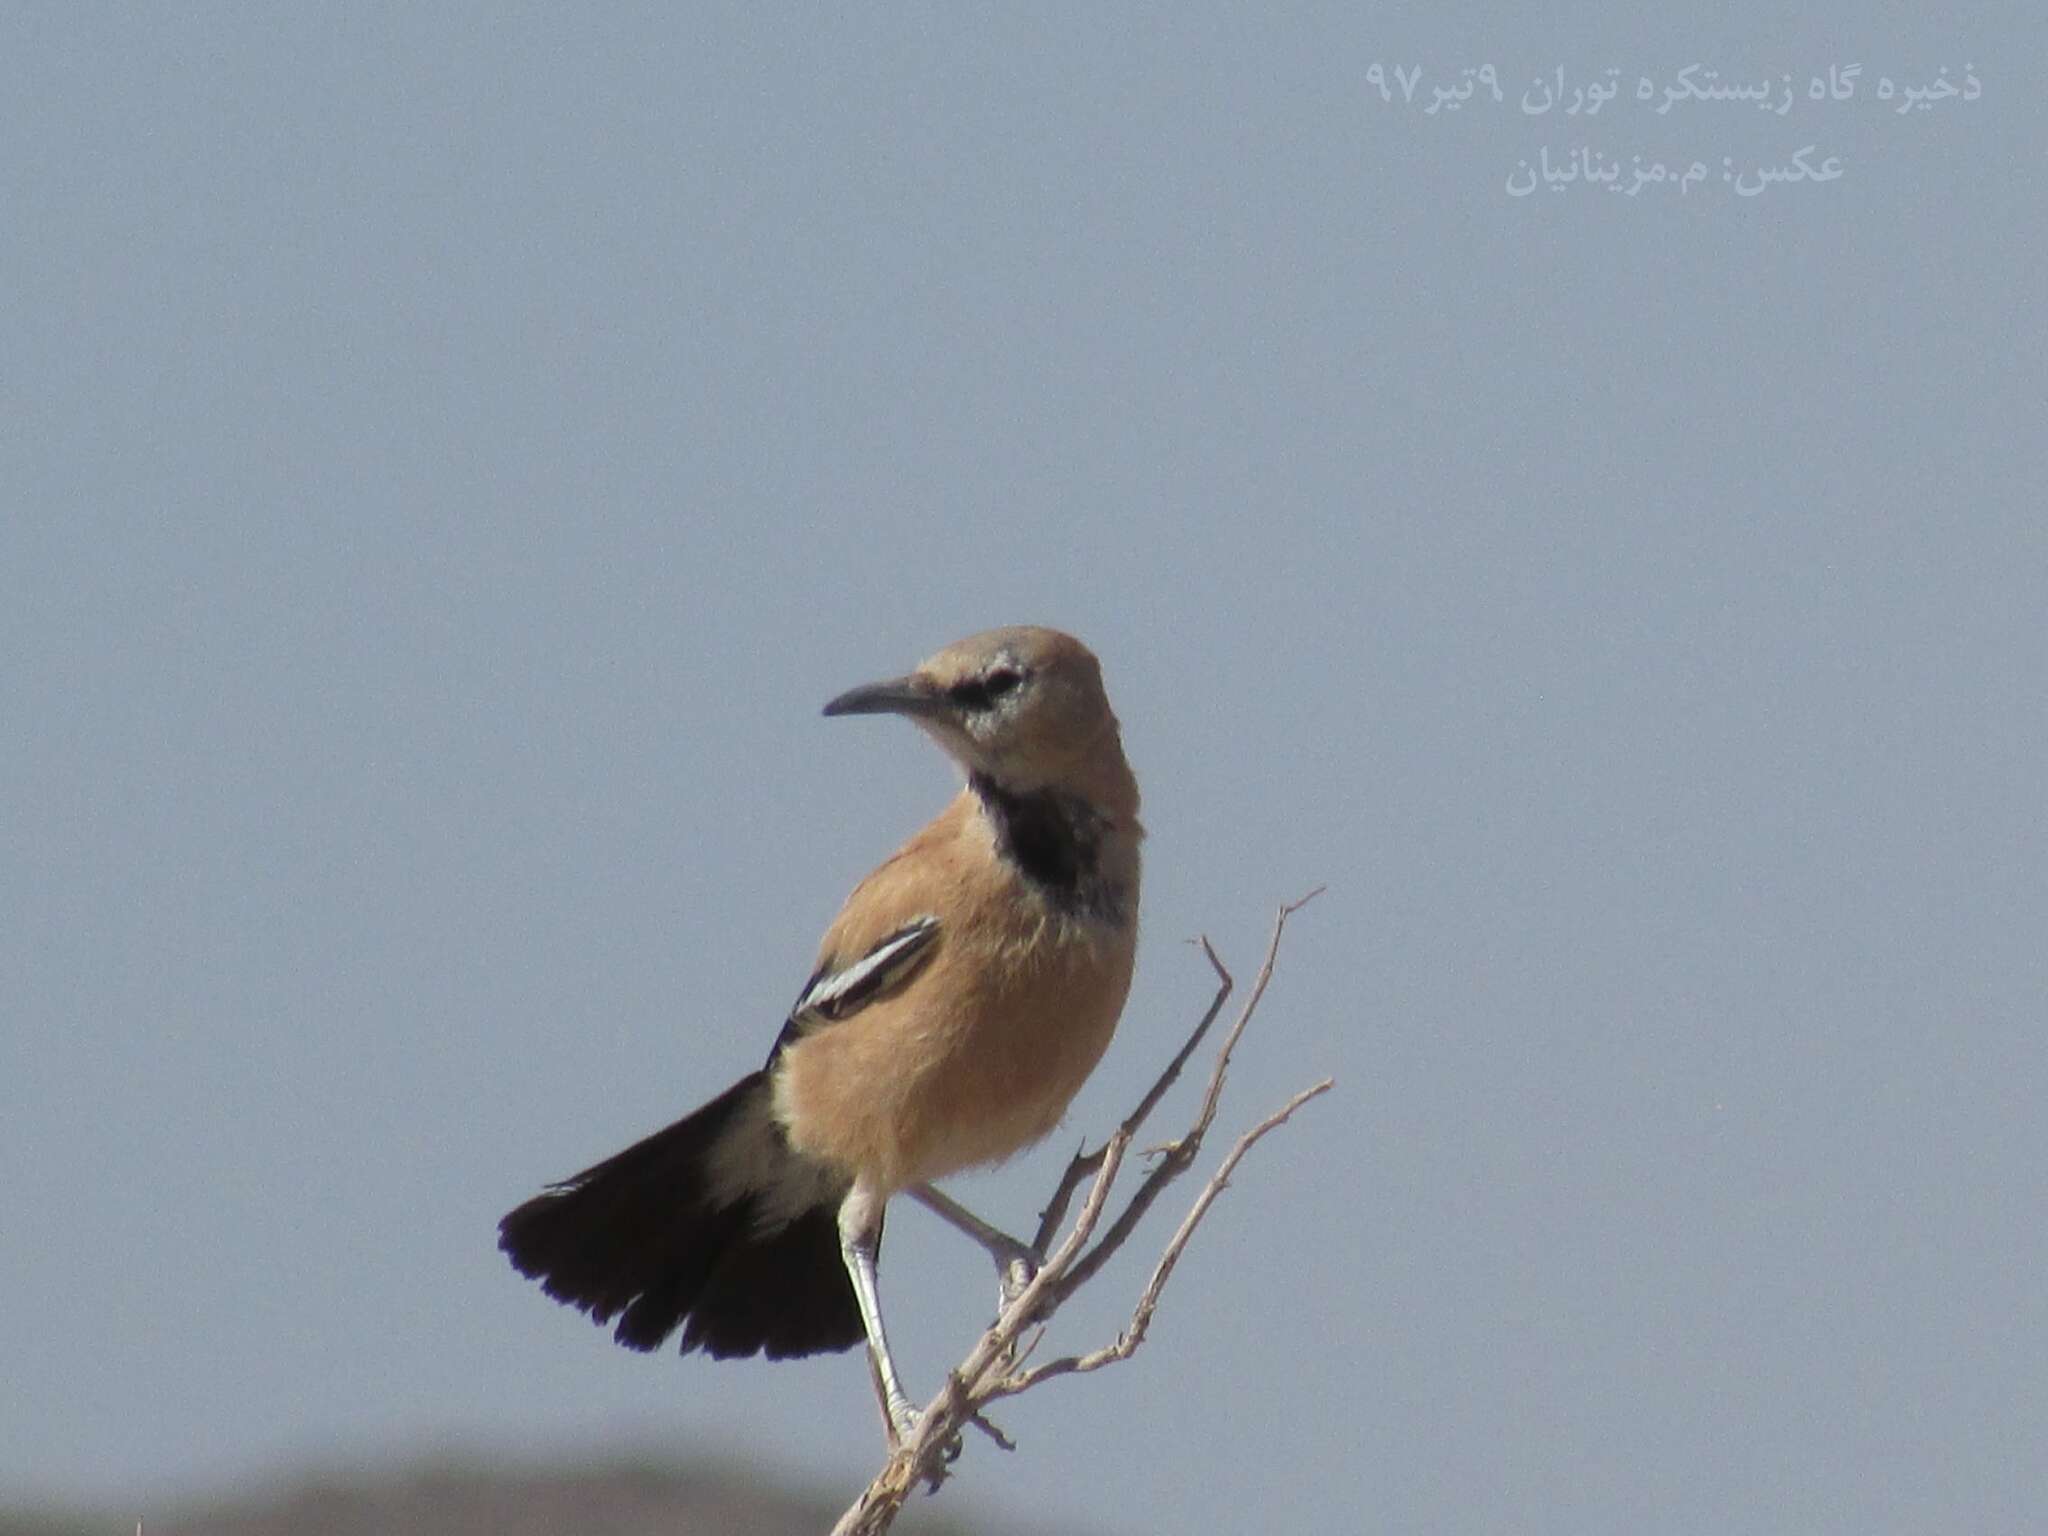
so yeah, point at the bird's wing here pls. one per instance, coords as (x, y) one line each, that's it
(837, 991)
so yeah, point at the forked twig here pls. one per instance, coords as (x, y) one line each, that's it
(1127, 1342)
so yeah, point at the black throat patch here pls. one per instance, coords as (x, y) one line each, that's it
(1056, 841)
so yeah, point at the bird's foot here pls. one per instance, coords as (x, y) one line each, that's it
(1018, 1271)
(904, 1423)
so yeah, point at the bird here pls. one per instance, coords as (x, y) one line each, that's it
(966, 989)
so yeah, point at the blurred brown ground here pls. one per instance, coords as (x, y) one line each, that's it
(470, 1498)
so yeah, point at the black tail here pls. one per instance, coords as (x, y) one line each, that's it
(647, 1238)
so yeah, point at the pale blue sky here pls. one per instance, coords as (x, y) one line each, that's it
(449, 454)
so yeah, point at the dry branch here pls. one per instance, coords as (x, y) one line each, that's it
(993, 1368)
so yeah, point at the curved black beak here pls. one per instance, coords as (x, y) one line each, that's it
(896, 696)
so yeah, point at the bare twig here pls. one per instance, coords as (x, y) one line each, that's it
(993, 1368)
(1176, 1156)
(1086, 1163)
(1127, 1342)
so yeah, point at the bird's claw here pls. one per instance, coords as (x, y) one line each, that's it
(1017, 1274)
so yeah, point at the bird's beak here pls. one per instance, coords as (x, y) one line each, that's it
(897, 696)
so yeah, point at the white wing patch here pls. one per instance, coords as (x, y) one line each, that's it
(835, 994)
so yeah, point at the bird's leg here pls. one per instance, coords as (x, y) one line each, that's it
(1016, 1263)
(860, 1230)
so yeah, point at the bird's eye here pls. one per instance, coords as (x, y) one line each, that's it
(981, 692)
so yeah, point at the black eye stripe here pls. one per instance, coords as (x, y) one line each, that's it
(980, 692)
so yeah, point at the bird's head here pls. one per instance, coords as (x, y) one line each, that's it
(1023, 705)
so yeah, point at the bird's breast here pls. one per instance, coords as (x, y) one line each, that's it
(972, 1061)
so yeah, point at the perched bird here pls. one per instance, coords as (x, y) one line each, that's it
(964, 992)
